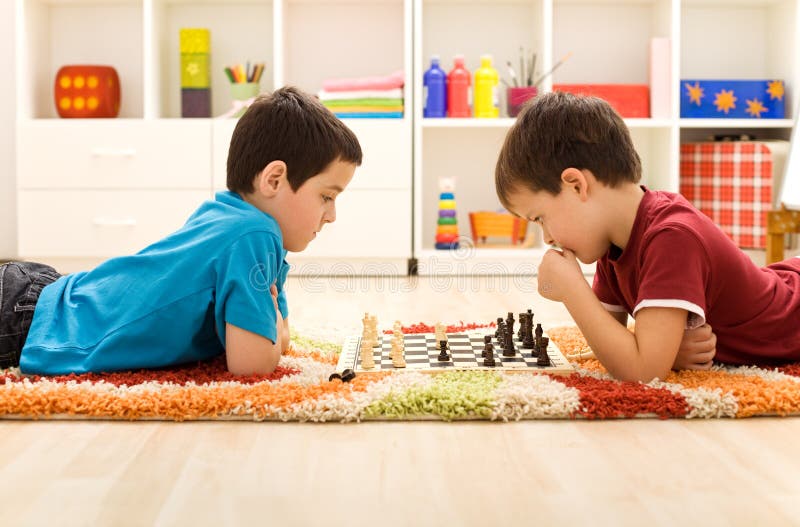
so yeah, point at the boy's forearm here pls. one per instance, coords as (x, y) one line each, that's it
(612, 343)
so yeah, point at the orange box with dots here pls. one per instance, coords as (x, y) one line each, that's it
(87, 91)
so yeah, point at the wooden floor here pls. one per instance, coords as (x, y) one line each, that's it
(638, 472)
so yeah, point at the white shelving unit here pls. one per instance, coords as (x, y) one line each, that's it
(609, 41)
(114, 179)
(129, 181)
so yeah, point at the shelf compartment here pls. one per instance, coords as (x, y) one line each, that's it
(52, 34)
(240, 32)
(609, 41)
(751, 40)
(343, 32)
(476, 28)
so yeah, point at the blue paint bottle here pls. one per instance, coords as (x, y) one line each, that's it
(435, 90)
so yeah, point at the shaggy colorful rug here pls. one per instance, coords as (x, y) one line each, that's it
(299, 390)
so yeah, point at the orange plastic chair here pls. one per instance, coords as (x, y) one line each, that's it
(486, 224)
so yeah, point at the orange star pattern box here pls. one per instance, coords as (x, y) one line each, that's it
(733, 99)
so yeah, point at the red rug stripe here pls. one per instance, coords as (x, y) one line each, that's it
(604, 399)
(199, 373)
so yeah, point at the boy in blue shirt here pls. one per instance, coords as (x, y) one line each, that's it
(214, 286)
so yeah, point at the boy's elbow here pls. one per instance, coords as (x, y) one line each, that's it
(251, 354)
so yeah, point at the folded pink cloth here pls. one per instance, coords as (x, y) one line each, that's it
(395, 80)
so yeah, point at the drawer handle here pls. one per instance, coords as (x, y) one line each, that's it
(113, 152)
(114, 222)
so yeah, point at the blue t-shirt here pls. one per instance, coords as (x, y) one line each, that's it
(167, 304)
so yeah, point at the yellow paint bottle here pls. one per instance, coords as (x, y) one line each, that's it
(486, 97)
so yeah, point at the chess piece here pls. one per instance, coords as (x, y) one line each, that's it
(527, 333)
(488, 355)
(498, 334)
(440, 331)
(543, 359)
(508, 345)
(443, 355)
(348, 375)
(487, 341)
(539, 332)
(510, 324)
(522, 326)
(397, 353)
(367, 358)
(334, 375)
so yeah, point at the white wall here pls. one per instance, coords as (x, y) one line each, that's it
(8, 205)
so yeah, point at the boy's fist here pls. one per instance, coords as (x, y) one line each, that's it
(698, 347)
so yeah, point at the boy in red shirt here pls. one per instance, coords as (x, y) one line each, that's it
(569, 165)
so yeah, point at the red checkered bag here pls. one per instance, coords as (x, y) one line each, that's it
(731, 182)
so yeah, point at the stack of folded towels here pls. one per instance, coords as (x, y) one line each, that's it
(365, 97)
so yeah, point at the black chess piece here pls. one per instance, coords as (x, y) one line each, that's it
(539, 332)
(334, 375)
(487, 341)
(488, 354)
(498, 334)
(543, 358)
(522, 325)
(508, 345)
(443, 355)
(510, 323)
(527, 333)
(348, 375)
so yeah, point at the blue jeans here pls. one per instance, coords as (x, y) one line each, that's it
(21, 283)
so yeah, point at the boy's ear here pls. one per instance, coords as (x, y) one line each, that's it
(269, 180)
(575, 181)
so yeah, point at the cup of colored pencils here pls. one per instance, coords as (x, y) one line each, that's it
(245, 85)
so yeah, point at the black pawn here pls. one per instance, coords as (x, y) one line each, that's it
(487, 341)
(488, 354)
(348, 375)
(443, 356)
(335, 375)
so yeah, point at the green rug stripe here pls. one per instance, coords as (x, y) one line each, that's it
(452, 395)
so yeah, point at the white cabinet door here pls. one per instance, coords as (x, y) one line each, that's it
(114, 154)
(70, 223)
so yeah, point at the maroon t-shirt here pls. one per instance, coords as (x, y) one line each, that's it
(677, 257)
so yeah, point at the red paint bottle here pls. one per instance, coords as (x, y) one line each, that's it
(459, 92)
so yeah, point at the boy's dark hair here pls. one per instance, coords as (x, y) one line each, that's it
(291, 126)
(560, 130)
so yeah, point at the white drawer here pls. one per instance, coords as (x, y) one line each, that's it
(369, 224)
(99, 223)
(385, 144)
(114, 154)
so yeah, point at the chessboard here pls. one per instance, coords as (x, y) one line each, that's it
(465, 351)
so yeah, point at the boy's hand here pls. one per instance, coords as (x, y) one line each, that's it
(282, 325)
(558, 273)
(697, 350)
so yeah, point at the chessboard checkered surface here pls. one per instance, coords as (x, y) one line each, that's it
(465, 350)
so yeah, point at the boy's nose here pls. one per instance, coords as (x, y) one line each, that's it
(330, 216)
(548, 240)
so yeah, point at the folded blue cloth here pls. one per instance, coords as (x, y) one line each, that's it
(369, 115)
